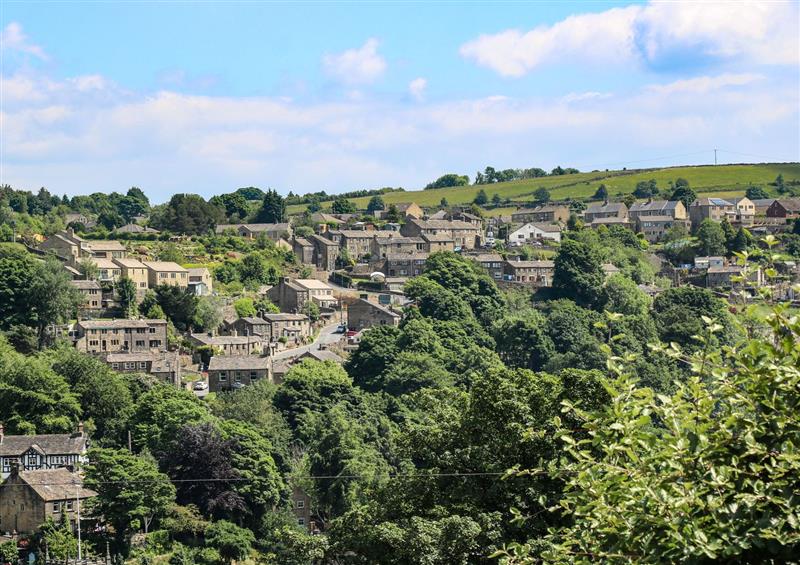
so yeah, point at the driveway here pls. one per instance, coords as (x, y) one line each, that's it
(327, 335)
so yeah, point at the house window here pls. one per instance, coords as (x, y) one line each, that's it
(223, 376)
(130, 365)
(69, 506)
(56, 507)
(139, 343)
(115, 365)
(142, 364)
(301, 503)
(301, 521)
(32, 459)
(152, 330)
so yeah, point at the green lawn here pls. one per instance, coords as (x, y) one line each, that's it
(727, 180)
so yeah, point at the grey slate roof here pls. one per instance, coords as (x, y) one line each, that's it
(56, 484)
(238, 362)
(51, 444)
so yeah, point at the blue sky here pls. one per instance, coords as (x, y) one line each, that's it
(208, 96)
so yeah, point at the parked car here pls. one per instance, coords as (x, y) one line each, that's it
(237, 385)
(200, 385)
(341, 329)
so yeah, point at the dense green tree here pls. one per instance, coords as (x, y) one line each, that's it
(522, 341)
(727, 489)
(756, 193)
(189, 214)
(623, 296)
(541, 195)
(131, 491)
(710, 238)
(51, 297)
(245, 308)
(160, 414)
(375, 203)
(34, 398)
(179, 304)
(578, 273)
(376, 351)
(232, 542)
(126, 292)
(251, 193)
(104, 396)
(208, 315)
(601, 193)
(646, 189)
(683, 193)
(678, 315)
(312, 387)
(343, 206)
(17, 270)
(392, 214)
(481, 198)
(273, 209)
(448, 180)
(199, 452)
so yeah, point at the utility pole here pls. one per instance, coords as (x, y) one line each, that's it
(78, 502)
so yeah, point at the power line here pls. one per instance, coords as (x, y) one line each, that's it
(296, 477)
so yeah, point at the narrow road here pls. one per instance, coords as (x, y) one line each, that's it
(326, 336)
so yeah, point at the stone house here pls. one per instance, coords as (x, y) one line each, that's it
(538, 273)
(226, 372)
(92, 295)
(710, 209)
(231, 345)
(784, 208)
(136, 271)
(464, 234)
(358, 243)
(107, 270)
(745, 212)
(68, 246)
(722, 276)
(438, 242)
(135, 228)
(545, 214)
(292, 295)
(533, 231)
(607, 209)
(42, 451)
(325, 252)
(107, 249)
(248, 326)
(404, 264)
(383, 245)
(251, 231)
(492, 262)
(364, 314)
(706, 262)
(164, 365)
(201, 281)
(28, 498)
(293, 327)
(303, 249)
(112, 336)
(406, 210)
(166, 272)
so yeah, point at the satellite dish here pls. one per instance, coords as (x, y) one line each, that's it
(377, 276)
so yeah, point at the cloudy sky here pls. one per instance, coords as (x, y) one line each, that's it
(208, 96)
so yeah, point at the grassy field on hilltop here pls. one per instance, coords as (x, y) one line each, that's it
(727, 180)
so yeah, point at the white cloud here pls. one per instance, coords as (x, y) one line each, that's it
(356, 66)
(86, 134)
(653, 34)
(417, 88)
(705, 84)
(14, 39)
(584, 96)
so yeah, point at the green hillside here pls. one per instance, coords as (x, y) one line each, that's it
(720, 180)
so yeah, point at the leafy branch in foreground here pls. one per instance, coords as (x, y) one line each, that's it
(710, 472)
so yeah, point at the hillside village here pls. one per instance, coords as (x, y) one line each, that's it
(236, 305)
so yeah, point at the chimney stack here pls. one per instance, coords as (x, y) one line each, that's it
(80, 428)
